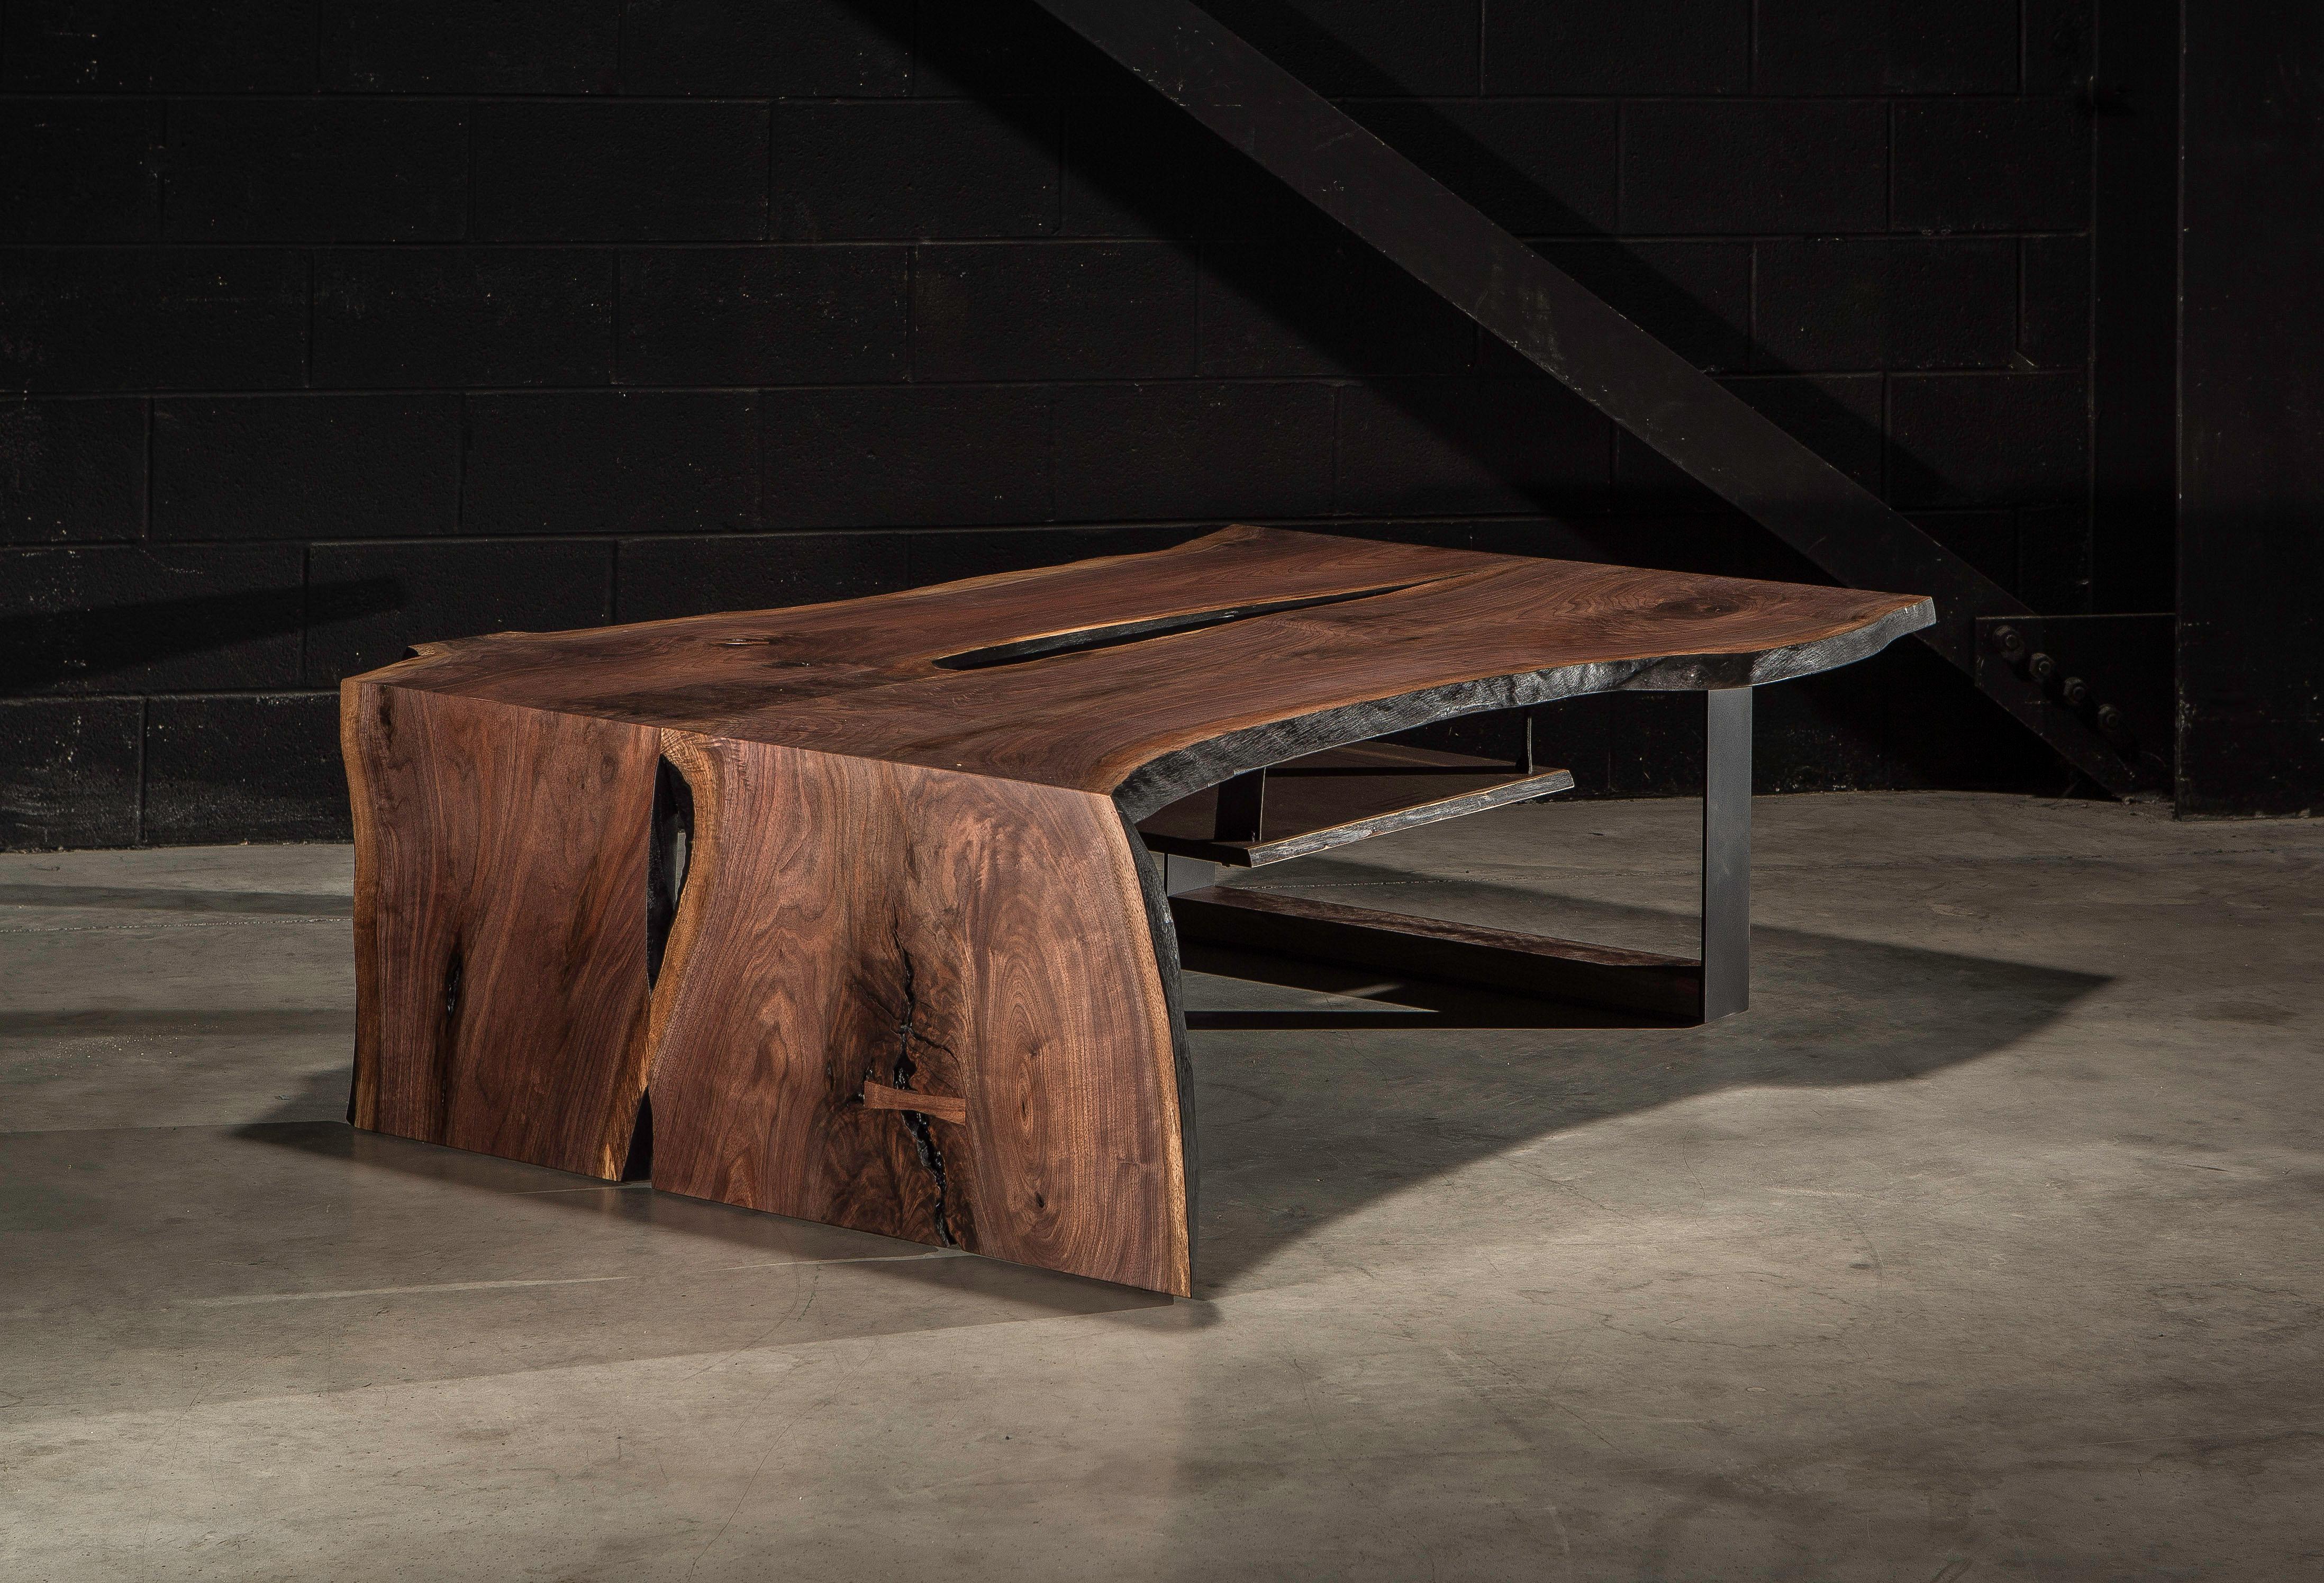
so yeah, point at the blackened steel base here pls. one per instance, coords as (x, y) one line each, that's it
(1726, 852)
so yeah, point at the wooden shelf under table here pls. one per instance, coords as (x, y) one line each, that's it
(1342, 795)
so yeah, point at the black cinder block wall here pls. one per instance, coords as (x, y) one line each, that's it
(334, 325)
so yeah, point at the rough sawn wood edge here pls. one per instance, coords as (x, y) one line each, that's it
(1162, 781)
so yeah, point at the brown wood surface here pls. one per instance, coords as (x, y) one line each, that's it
(864, 677)
(1437, 947)
(934, 1106)
(500, 925)
(1342, 795)
(921, 978)
(848, 922)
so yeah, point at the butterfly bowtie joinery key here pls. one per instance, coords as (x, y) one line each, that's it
(875, 906)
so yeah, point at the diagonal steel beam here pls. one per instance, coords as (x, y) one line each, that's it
(1449, 247)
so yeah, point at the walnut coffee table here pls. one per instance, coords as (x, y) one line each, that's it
(868, 913)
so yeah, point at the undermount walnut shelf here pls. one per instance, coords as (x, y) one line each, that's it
(854, 890)
(1342, 795)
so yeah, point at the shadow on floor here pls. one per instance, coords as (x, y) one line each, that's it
(158, 1021)
(636, 1204)
(1308, 1113)
(159, 899)
(1301, 1126)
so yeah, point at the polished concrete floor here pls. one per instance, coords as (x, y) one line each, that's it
(1987, 1245)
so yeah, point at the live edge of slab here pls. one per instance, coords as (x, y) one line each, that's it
(911, 866)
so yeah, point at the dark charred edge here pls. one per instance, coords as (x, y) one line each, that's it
(916, 1121)
(354, 701)
(669, 850)
(638, 1166)
(1163, 780)
(932, 1157)
(447, 1036)
(1163, 929)
(1113, 635)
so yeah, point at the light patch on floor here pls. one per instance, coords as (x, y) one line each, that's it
(1985, 1246)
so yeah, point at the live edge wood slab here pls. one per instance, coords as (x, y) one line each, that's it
(847, 903)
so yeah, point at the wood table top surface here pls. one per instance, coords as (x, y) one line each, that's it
(1088, 673)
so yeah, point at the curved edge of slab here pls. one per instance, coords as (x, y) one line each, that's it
(1164, 780)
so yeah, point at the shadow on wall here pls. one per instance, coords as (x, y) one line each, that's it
(40, 651)
(1530, 444)
(1302, 1127)
(1458, 428)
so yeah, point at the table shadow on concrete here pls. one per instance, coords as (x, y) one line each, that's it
(1300, 1125)
(636, 1205)
(1310, 1112)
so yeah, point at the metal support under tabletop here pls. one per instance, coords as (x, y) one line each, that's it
(1726, 852)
